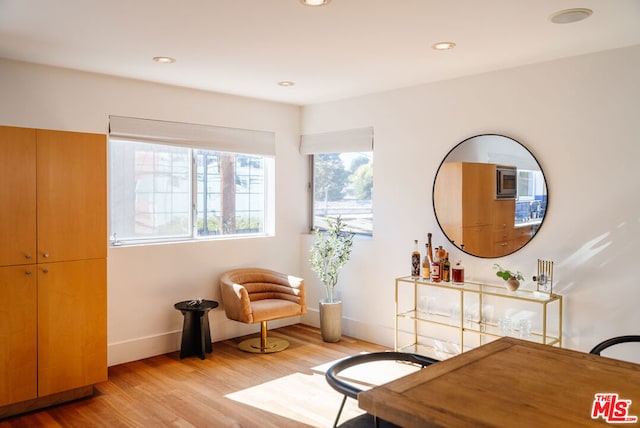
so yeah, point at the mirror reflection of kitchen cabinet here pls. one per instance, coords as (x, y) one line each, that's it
(461, 209)
(490, 195)
(468, 211)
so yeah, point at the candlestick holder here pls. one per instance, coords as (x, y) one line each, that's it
(544, 279)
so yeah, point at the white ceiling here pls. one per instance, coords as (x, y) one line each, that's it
(345, 49)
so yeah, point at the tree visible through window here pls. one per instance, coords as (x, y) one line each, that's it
(230, 193)
(343, 186)
(153, 197)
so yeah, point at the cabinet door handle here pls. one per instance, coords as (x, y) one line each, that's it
(45, 255)
(45, 270)
(28, 272)
(27, 256)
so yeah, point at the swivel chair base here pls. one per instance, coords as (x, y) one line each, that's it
(262, 345)
(273, 344)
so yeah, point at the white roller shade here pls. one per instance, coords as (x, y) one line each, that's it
(197, 136)
(352, 140)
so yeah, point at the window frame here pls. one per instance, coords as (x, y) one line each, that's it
(312, 216)
(356, 140)
(268, 205)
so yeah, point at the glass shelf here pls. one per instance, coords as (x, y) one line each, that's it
(487, 289)
(468, 318)
(474, 326)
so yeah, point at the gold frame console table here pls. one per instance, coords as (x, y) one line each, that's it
(463, 314)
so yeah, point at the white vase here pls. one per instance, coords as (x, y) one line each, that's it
(331, 320)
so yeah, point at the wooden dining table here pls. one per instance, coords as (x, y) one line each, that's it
(512, 383)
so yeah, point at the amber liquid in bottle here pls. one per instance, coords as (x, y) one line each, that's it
(426, 264)
(415, 261)
(446, 269)
(435, 269)
(458, 273)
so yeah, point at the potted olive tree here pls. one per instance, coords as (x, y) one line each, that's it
(329, 253)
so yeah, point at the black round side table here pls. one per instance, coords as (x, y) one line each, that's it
(196, 335)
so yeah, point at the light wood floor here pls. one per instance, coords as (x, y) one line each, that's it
(229, 388)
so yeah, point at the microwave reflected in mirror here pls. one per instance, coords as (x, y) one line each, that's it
(506, 182)
(490, 195)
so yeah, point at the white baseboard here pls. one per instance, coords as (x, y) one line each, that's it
(149, 346)
(378, 334)
(143, 347)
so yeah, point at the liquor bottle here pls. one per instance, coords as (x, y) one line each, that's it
(426, 264)
(430, 246)
(446, 268)
(415, 260)
(457, 272)
(435, 269)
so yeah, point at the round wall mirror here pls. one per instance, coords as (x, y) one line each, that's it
(490, 196)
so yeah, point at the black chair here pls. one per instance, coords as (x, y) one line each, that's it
(613, 341)
(350, 390)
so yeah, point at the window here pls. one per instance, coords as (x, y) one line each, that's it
(531, 185)
(342, 178)
(531, 203)
(231, 193)
(166, 192)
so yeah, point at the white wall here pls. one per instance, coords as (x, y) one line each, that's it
(144, 282)
(578, 116)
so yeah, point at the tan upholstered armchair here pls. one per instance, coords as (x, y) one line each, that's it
(253, 295)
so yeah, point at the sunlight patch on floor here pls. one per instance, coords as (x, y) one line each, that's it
(310, 400)
(373, 373)
(299, 397)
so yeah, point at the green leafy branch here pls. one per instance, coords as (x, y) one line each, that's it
(330, 252)
(507, 274)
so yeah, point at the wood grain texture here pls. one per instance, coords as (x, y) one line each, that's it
(229, 388)
(508, 382)
(72, 202)
(18, 324)
(72, 325)
(53, 319)
(17, 195)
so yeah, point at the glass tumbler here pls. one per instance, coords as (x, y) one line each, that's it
(504, 326)
(524, 328)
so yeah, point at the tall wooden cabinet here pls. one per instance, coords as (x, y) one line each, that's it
(53, 344)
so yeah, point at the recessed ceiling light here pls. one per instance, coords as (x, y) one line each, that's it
(568, 16)
(315, 2)
(286, 83)
(443, 46)
(164, 59)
